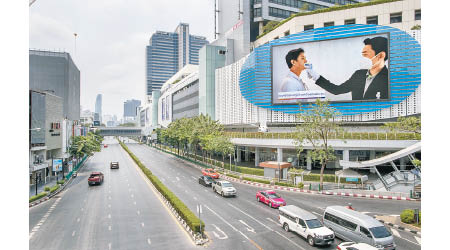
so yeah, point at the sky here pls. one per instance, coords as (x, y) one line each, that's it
(111, 38)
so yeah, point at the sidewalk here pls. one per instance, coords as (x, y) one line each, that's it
(395, 221)
(51, 181)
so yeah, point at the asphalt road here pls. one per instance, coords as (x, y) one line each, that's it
(122, 213)
(242, 222)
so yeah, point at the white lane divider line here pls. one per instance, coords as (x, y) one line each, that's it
(109, 228)
(142, 224)
(316, 213)
(109, 246)
(31, 235)
(109, 205)
(109, 216)
(418, 239)
(266, 226)
(73, 233)
(138, 212)
(273, 221)
(195, 198)
(225, 236)
(149, 241)
(194, 178)
(82, 209)
(226, 222)
(132, 195)
(249, 228)
(321, 208)
(395, 232)
(365, 212)
(205, 190)
(109, 197)
(178, 179)
(78, 219)
(134, 203)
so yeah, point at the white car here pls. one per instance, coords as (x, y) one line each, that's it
(306, 224)
(355, 246)
(224, 188)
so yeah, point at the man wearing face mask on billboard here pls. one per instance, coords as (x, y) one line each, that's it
(368, 83)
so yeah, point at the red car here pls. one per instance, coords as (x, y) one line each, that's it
(105, 146)
(270, 198)
(210, 172)
(95, 178)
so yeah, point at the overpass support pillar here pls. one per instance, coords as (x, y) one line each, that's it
(346, 155)
(246, 153)
(279, 154)
(402, 163)
(371, 157)
(238, 152)
(308, 163)
(256, 156)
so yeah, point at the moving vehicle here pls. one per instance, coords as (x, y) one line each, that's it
(74, 174)
(355, 246)
(224, 188)
(105, 146)
(351, 225)
(210, 172)
(95, 178)
(306, 224)
(114, 164)
(206, 181)
(270, 198)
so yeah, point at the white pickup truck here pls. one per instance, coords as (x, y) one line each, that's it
(224, 188)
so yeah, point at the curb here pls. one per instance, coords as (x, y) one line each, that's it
(371, 196)
(399, 227)
(61, 188)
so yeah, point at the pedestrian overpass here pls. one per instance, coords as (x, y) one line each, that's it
(120, 131)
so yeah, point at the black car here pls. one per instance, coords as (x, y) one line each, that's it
(205, 181)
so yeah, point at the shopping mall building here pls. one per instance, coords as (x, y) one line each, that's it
(248, 96)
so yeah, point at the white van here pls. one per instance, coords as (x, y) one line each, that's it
(351, 225)
(293, 218)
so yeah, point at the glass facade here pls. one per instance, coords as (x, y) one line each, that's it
(372, 20)
(166, 56)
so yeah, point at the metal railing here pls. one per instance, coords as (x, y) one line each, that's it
(337, 136)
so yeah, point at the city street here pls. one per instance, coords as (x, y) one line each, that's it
(242, 222)
(122, 213)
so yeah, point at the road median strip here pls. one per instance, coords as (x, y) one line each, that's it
(181, 211)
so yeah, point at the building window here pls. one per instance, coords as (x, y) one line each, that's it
(309, 27)
(372, 20)
(417, 15)
(349, 21)
(257, 1)
(257, 12)
(275, 12)
(328, 24)
(396, 17)
(275, 38)
(287, 33)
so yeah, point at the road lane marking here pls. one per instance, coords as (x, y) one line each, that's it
(249, 228)
(109, 246)
(149, 241)
(31, 235)
(195, 198)
(134, 203)
(205, 190)
(395, 232)
(138, 212)
(225, 236)
(82, 209)
(73, 233)
(142, 224)
(316, 213)
(278, 223)
(109, 205)
(132, 195)
(418, 239)
(267, 226)
(109, 228)
(109, 216)
(178, 179)
(226, 222)
(109, 197)
(78, 219)
(194, 178)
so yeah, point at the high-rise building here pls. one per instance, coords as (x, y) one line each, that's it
(130, 109)
(168, 52)
(98, 107)
(56, 73)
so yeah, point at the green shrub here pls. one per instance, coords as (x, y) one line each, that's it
(46, 188)
(54, 188)
(284, 184)
(60, 181)
(300, 185)
(256, 180)
(233, 175)
(38, 196)
(407, 216)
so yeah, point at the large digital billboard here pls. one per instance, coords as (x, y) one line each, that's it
(351, 69)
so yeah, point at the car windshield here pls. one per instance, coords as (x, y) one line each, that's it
(225, 184)
(208, 178)
(273, 195)
(315, 223)
(380, 232)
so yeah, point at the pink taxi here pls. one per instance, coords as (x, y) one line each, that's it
(270, 198)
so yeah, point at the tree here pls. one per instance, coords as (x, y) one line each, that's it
(269, 26)
(318, 124)
(410, 124)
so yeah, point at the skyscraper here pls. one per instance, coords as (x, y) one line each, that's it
(98, 107)
(168, 52)
(129, 109)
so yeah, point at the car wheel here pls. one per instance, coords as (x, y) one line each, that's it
(222, 194)
(310, 241)
(286, 227)
(257, 198)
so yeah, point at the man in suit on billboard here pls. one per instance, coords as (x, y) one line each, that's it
(364, 84)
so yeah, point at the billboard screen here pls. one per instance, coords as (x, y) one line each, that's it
(57, 165)
(352, 69)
